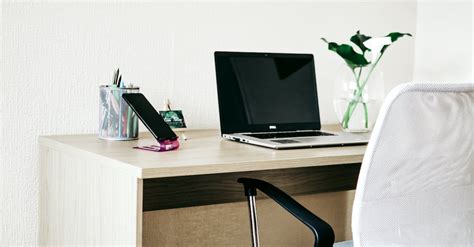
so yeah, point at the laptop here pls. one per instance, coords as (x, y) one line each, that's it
(271, 100)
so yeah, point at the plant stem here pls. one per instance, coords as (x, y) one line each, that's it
(358, 77)
(345, 119)
(353, 103)
(366, 115)
(363, 103)
(357, 95)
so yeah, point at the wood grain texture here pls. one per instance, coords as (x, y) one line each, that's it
(139, 213)
(187, 191)
(228, 224)
(93, 192)
(205, 152)
(84, 202)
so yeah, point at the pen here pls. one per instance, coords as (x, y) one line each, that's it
(116, 76)
(119, 83)
(129, 123)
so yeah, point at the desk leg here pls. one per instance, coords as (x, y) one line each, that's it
(84, 201)
(139, 212)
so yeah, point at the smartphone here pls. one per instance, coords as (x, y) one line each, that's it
(149, 116)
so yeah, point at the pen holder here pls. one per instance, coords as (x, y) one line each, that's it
(117, 121)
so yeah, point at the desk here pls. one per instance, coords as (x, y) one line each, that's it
(104, 192)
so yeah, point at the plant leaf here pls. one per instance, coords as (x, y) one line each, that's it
(351, 57)
(394, 37)
(331, 45)
(359, 40)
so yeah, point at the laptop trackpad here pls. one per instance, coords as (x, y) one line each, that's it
(285, 141)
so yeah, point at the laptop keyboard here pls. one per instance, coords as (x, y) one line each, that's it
(288, 134)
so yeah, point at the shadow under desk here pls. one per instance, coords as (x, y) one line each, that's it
(104, 192)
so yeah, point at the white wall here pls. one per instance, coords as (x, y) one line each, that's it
(56, 54)
(2, 153)
(444, 41)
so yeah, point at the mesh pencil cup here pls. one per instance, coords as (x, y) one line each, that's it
(117, 121)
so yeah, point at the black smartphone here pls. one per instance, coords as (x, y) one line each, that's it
(149, 116)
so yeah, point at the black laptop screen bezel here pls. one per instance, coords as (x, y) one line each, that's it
(246, 128)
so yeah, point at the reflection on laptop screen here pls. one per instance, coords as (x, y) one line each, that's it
(259, 89)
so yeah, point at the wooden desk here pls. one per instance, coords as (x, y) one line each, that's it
(104, 192)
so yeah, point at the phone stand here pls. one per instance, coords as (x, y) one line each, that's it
(166, 145)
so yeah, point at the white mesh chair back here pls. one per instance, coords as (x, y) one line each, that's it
(416, 184)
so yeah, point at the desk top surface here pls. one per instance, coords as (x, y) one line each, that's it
(204, 152)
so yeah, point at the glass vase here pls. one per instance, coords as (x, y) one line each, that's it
(358, 97)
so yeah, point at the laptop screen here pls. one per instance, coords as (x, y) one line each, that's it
(266, 92)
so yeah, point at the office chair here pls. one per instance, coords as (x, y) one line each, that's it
(416, 183)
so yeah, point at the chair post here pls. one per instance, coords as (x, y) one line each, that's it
(253, 221)
(250, 193)
(323, 232)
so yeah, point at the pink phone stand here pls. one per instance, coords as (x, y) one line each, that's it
(166, 145)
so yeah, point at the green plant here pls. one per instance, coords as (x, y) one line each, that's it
(357, 62)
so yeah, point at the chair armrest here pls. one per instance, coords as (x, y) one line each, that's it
(323, 232)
